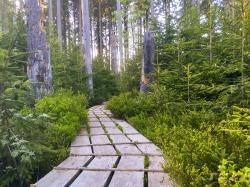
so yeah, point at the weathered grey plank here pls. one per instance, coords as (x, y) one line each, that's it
(98, 130)
(159, 180)
(128, 149)
(104, 149)
(74, 162)
(128, 179)
(81, 140)
(101, 139)
(113, 130)
(94, 124)
(128, 130)
(56, 178)
(83, 132)
(93, 119)
(156, 162)
(95, 178)
(80, 150)
(149, 148)
(105, 119)
(119, 139)
(138, 138)
(131, 162)
(108, 124)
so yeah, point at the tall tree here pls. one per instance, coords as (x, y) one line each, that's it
(86, 42)
(38, 67)
(119, 28)
(59, 21)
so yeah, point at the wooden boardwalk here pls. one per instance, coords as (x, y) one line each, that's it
(110, 153)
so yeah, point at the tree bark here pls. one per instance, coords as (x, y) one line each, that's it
(39, 67)
(119, 28)
(86, 42)
(147, 61)
(59, 22)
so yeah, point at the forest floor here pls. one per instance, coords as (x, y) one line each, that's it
(110, 152)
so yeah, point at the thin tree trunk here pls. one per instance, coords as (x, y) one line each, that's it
(39, 67)
(59, 22)
(86, 42)
(119, 28)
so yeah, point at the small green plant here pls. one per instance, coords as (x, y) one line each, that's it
(146, 161)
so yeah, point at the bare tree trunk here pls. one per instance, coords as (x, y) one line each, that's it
(148, 53)
(147, 61)
(39, 67)
(119, 28)
(59, 22)
(126, 33)
(50, 6)
(86, 42)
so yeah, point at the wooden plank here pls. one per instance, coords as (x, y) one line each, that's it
(56, 178)
(131, 162)
(156, 162)
(123, 123)
(74, 162)
(128, 149)
(102, 115)
(81, 140)
(108, 124)
(149, 148)
(104, 149)
(113, 130)
(101, 139)
(83, 132)
(119, 139)
(128, 179)
(159, 180)
(80, 150)
(138, 138)
(105, 119)
(95, 178)
(128, 130)
(98, 130)
(94, 124)
(93, 119)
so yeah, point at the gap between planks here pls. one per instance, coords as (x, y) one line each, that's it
(110, 169)
(128, 143)
(126, 154)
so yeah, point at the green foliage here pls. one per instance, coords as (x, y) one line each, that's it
(68, 68)
(36, 139)
(194, 138)
(130, 77)
(68, 116)
(105, 82)
(229, 176)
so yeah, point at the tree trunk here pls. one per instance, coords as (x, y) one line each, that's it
(119, 28)
(39, 67)
(148, 53)
(126, 33)
(59, 22)
(147, 61)
(86, 42)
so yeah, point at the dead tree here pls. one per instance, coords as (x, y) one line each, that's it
(38, 67)
(147, 61)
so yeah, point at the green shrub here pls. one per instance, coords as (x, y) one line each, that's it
(105, 82)
(68, 113)
(194, 139)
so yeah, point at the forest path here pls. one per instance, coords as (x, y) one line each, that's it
(109, 153)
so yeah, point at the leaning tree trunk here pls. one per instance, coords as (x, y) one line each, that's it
(38, 67)
(86, 43)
